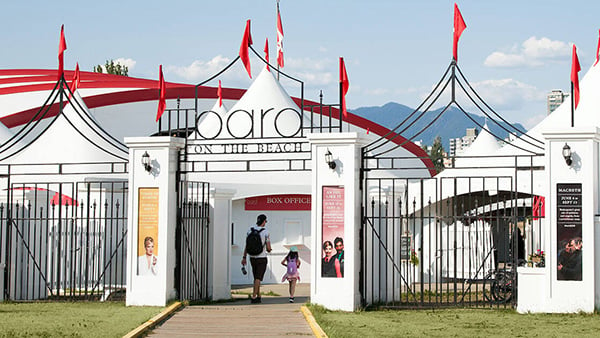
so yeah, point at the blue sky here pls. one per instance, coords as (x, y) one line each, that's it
(513, 52)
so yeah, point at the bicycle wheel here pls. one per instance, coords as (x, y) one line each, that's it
(502, 287)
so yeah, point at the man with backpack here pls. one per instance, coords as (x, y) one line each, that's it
(258, 244)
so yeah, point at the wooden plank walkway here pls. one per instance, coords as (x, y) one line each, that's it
(274, 317)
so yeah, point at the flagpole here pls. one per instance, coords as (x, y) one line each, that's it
(572, 105)
(277, 41)
(341, 104)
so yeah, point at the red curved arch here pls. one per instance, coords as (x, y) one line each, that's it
(138, 90)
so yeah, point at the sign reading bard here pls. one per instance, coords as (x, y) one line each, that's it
(568, 231)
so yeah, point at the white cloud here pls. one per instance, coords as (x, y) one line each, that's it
(509, 98)
(533, 52)
(507, 93)
(313, 72)
(129, 63)
(499, 59)
(200, 70)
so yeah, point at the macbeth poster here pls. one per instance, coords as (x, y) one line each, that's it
(147, 231)
(568, 232)
(332, 264)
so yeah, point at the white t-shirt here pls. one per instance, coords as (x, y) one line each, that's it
(264, 236)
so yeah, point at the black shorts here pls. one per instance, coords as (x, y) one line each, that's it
(259, 266)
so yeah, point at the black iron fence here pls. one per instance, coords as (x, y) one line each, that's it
(192, 241)
(64, 240)
(453, 241)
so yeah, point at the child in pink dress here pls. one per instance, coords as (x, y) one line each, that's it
(292, 262)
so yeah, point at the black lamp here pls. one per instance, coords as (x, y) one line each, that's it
(329, 159)
(146, 162)
(566, 152)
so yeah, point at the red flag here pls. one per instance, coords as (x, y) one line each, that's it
(538, 207)
(279, 39)
(267, 52)
(344, 85)
(459, 27)
(162, 102)
(246, 42)
(62, 46)
(575, 68)
(220, 94)
(76, 80)
(598, 49)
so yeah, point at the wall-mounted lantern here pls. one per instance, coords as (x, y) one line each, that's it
(146, 162)
(329, 160)
(566, 152)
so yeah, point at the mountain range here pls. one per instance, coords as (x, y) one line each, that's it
(451, 124)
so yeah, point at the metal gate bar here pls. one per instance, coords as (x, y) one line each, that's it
(64, 240)
(453, 241)
(192, 241)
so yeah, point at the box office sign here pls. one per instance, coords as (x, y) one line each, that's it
(278, 202)
(568, 231)
(332, 264)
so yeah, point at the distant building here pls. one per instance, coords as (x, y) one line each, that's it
(460, 144)
(555, 98)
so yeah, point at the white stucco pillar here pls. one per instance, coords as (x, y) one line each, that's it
(152, 213)
(220, 244)
(572, 204)
(331, 292)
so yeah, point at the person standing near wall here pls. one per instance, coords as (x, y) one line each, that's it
(292, 263)
(258, 256)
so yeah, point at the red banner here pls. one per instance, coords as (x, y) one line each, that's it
(279, 202)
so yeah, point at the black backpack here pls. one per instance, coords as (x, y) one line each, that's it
(254, 245)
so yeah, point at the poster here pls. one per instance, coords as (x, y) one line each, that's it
(147, 231)
(568, 232)
(332, 264)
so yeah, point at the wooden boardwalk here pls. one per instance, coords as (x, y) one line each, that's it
(274, 317)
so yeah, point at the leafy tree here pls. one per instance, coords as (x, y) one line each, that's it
(437, 154)
(112, 68)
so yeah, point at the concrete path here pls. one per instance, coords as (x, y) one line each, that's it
(274, 317)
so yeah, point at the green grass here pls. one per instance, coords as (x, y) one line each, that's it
(71, 319)
(454, 323)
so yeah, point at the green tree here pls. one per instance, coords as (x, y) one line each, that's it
(112, 68)
(437, 154)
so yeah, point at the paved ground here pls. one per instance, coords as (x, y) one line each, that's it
(274, 317)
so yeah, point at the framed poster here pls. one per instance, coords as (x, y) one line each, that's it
(147, 231)
(405, 245)
(332, 264)
(568, 232)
